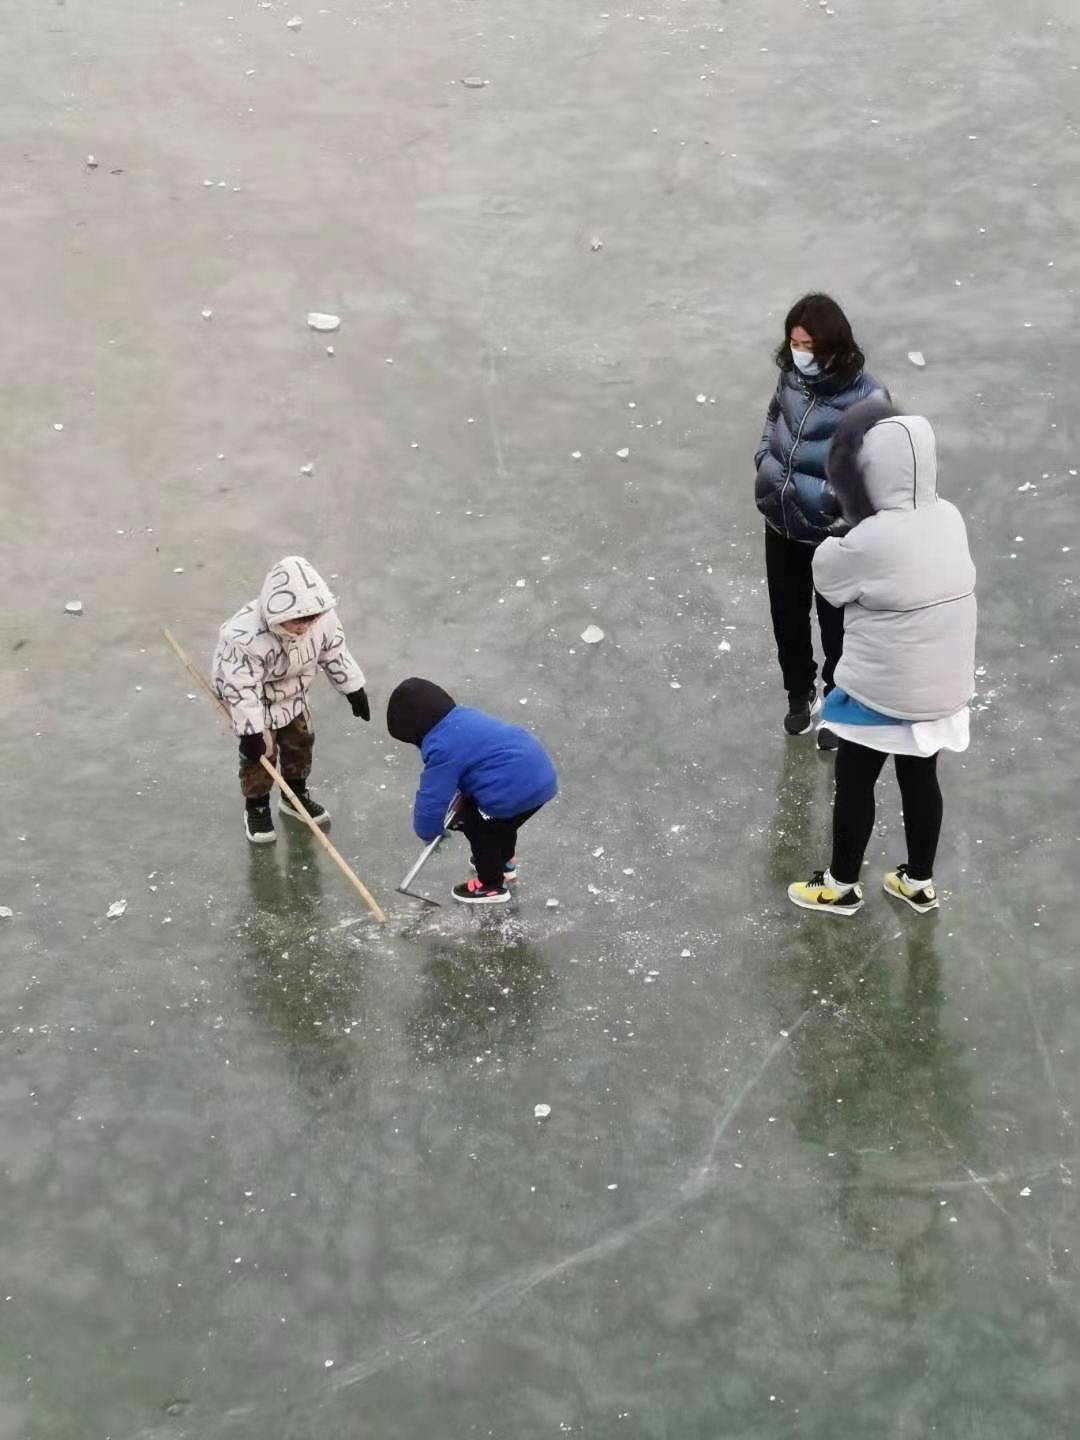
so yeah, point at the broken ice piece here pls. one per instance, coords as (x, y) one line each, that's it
(329, 350)
(917, 358)
(519, 584)
(701, 399)
(307, 469)
(596, 243)
(91, 163)
(613, 1187)
(474, 82)
(178, 570)
(575, 454)
(623, 454)
(326, 323)
(295, 23)
(541, 1111)
(1025, 1192)
(116, 909)
(674, 684)
(628, 870)
(207, 314)
(592, 635)
(598, 852)
(6, 912)
(724, 645)
(73, 607)
(58, 425)
(551, 904)
(684, 954)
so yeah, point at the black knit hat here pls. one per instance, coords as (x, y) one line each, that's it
(415, 707)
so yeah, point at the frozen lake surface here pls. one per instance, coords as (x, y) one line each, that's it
(270, 1171)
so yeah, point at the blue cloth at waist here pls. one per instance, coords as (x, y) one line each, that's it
(840, 709)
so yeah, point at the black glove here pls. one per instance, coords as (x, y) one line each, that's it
(359, 702)
(251, 747)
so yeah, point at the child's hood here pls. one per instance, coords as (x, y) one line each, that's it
(415, 708)
(292, 590)
(882, 460)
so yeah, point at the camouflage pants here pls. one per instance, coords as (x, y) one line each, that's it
(292, 746)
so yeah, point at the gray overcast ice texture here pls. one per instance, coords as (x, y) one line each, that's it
(271, 1172)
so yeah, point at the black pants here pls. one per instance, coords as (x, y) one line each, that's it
(857, 770)
(493, 841)
(789, 570)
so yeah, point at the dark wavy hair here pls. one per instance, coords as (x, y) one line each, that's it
(834, 345)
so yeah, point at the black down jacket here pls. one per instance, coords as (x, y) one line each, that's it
(792, 491)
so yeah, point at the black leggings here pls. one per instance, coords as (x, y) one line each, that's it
(857, 770)
(493, 841)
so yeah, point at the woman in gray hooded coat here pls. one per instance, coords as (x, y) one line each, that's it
(904, 576)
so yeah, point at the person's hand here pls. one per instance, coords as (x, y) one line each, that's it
(251, 747)
(359, 702)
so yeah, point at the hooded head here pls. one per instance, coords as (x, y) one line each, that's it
(882, 460)
(293, 590)
(415, 707)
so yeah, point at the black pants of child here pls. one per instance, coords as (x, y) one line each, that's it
(789, 569)
(857, 770)
(493, 841)
(292, 744)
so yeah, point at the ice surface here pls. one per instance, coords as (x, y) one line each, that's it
(347, 1108)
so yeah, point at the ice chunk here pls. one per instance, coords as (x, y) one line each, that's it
(596, 243)
(598, 852)
(6, 912)
(592, 635)
(91, 163)
(519, 584)
(73, 607)
(917, 358)
(116, 909)
(326, 323)
(178, 570)
(474, 82)
(674, 684)
(575, 454)
(552, 904)
(207, 314)
(541, 1111)
(623, 454)
(58, 425)
(295, 23)
(724, 645)
(684, 954)
(308, 469)
(701, 399)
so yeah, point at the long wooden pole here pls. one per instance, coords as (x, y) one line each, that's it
(338, 859)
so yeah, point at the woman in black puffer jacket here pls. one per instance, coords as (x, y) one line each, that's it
(821, 376)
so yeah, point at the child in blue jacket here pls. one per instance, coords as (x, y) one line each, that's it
(502, 773)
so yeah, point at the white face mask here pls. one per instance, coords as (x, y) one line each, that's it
(805, 362)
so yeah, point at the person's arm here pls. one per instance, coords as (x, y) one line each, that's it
(836, 570)
(771, 417)
(438, 786)
(335, 661)
(239, 678)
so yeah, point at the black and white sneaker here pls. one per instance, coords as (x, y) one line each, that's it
(475, 892)
(259, 823)
(827, 739)
(318, 813)
(801, 712)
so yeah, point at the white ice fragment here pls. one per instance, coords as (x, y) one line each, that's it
(701, 399)
(326, 323)
(917, 358)
(980, 670)
(1025, 1192)
(116, 909)
(207, 314)
(330, 350)
(295, 23)
(541, 1111)
(613, 1187)
(592, 635)
(58, 425)
(6, 912)
(474, 82)
(684, 954)
(178, 570)
(519, 584)
(596, 243)
(575, 454)
(73, 607)
(674, 684)
(724, 645)
(624, 453)
(629, 870)
(308, 469)
(329, 1364)
(598, 852)
(91, 163)
(524, 700)
(551, 904)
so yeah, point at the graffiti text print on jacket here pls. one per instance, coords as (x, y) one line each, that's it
(903, 571)
(261, 672)
(503, 768)
(792, 490)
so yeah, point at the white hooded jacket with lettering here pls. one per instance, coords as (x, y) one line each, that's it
(261, 672)
(903, 572)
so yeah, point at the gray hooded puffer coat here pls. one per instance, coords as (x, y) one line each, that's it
(903, 572)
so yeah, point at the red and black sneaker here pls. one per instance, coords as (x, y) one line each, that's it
(475, 892)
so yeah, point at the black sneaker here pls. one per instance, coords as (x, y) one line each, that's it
(475, 892)
(801, 712)
(259, 823)
(318, 813)
(827, 739)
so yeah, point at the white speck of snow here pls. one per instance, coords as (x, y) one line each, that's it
(326, 323)
(541, 1111)
(73, 607)
(592, 635)
(116, 909)
(917, 358)
(624, 453)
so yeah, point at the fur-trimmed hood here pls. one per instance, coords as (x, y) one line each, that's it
(882, 460)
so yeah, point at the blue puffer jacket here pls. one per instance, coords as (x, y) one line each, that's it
(500, 766)
(791, 490)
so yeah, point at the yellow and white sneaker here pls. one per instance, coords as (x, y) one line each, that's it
(822, 894)
(921, 895)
